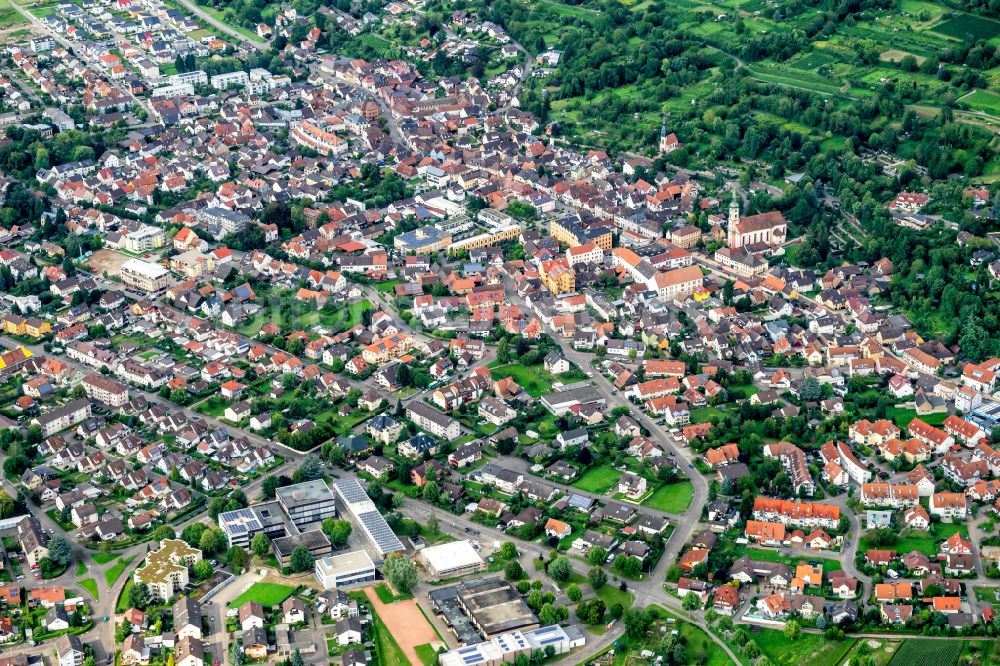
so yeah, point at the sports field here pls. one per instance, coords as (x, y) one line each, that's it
(406, 625)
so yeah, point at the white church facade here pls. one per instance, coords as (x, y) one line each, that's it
(755, 231)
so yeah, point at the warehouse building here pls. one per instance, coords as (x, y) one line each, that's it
(494, 607)
(449, 560)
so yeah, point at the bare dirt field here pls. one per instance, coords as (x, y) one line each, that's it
(895, 55)
(406, 624)
(107, 262)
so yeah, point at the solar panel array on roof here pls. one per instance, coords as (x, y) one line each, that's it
(505, 641)
(383, 536)
(351, 490)
(579, 501)
(550, 635)
(240, 521)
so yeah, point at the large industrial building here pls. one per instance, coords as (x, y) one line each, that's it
(481, 609)
(353, 502)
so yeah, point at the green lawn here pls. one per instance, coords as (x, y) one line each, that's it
(123, 602)
(705, 414)
(387, 287)
(924, 542)
(90, 585)
(671, 498)
(389, 652)
(768, 555)
(9, 16)
(882, 654)
(428, 657)
(611, 595)
(701, 649)
(597, 480)
(812, 649)
(535, 386)
(902, 416)
(114, 571)
(386, 595)
(988, 594)
(81, 569)
(214, 406)
(983, 100)
(979, 652)
(266, 594)
(741, 391)
(104, 558)
(221, 16)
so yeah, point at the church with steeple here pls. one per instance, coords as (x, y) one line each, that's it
(755, 232)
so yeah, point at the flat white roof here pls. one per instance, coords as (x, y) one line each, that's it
(152, 271)
(451, 556)
(333, 565)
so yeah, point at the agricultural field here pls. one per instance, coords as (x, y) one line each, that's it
(895, 45)
(984, 101)
(968, 28)
(922, 652)
(380, 44)
(812, 649)
(10, 19)
(220, 15)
